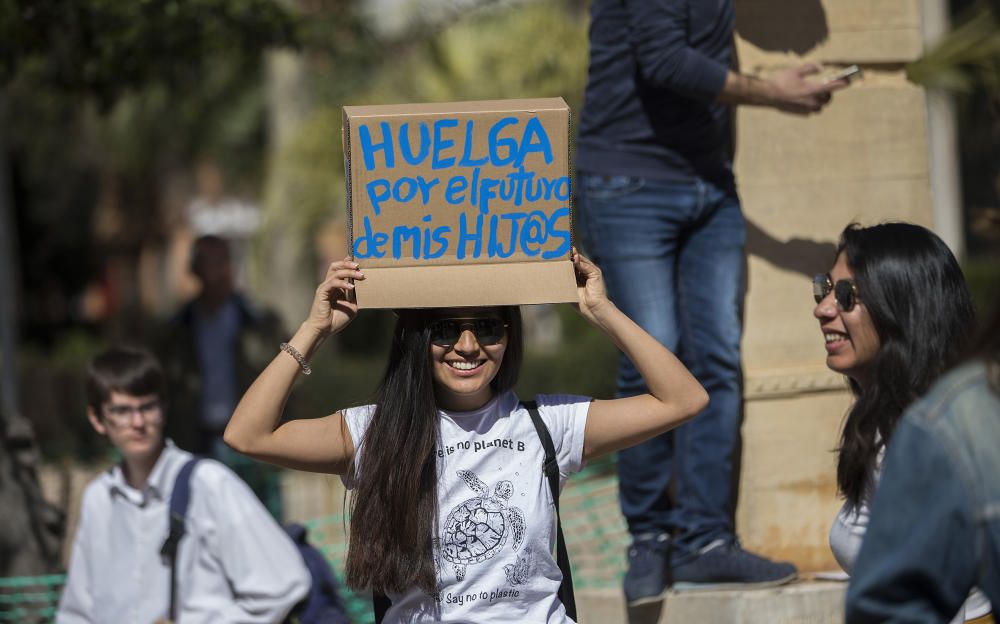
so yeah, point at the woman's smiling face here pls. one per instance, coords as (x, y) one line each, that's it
(463, 371)
(851, 340)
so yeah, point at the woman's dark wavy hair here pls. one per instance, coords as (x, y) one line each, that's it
(915, 293)
(394, 507)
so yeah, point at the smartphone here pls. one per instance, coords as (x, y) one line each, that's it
(849, 73)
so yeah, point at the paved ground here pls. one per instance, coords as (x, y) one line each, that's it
(597, 537)
(804, 602)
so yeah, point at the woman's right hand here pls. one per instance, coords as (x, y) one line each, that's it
(334, 306)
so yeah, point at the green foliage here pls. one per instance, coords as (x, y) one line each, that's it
(537, 50)
(969, 56)
(105, 48)
(222, 120)
(584, 362)
(313, 169)
(983, 277)
(108, 97)
(534, 49)
(53, 396)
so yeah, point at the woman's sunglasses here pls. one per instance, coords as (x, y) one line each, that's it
(845, 291)
(488, 331)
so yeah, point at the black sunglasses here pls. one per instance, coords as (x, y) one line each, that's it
(446, 332)
(845, 291)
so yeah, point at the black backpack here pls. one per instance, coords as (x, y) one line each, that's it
(321, 605)
(381, 602)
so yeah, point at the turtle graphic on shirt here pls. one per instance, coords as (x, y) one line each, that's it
(478, 528)
(518, 573)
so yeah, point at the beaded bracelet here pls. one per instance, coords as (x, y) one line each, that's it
(292, 351)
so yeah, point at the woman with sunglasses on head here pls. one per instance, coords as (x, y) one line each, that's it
(895, 314)
(451, 514)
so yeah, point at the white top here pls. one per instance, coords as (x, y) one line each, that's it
(850, 525)
(235, 564)
(848, 531)
(496, 516)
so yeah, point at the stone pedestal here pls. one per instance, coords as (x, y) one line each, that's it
(865, 158)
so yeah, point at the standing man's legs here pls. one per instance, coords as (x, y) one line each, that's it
(711, 288)
(673, 257)
(632, 228)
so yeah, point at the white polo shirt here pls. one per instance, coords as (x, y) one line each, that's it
(235, 564)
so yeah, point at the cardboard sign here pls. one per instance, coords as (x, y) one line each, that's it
(460, 204)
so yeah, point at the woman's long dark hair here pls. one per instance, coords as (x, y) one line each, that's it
(394, 506)
(915, 293)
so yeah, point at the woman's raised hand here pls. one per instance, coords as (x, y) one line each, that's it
(334, 306)
(590, 287)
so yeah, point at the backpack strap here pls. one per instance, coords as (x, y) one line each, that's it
(180, 496)
(552, 473)
(380, 604)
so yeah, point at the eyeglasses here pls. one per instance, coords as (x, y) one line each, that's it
(845, 291)
(121, 415)
(488, 331)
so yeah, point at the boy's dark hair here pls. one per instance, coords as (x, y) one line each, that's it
(123, 369)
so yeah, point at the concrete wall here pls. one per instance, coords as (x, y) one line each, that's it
(802, 180)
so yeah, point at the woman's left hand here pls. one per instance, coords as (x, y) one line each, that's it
(590, 287)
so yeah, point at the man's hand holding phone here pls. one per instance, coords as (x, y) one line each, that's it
(796, 90)
(793, 91)
(849, 73)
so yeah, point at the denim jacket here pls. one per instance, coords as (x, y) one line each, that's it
(935, 526)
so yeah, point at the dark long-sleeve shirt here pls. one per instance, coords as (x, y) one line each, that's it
(656, 70)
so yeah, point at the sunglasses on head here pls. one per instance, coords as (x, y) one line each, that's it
(446, 332)
(845, 291)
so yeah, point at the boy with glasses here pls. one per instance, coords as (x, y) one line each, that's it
(234, 564)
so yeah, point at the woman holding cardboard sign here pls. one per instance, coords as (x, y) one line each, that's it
(452, 512)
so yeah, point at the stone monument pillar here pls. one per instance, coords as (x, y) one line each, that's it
(866, 158)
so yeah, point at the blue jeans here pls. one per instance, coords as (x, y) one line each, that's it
(672, 254)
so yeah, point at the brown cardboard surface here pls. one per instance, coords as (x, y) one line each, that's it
(461, 203)
(448, 108)
(447, 286)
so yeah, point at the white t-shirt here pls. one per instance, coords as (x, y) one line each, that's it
(496, 516)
